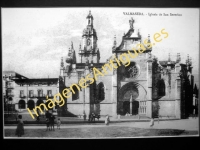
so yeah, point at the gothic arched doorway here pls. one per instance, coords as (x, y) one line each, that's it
(127, 99)
(135, 107)
(126, 107)
(31, 104)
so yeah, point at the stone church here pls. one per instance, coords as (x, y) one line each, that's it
(147, 87)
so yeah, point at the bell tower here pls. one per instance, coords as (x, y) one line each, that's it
(88, 49)
(90, 20)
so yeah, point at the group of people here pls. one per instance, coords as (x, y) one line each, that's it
(92, 117)
(50, 122)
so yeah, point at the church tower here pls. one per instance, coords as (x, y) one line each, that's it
(88, 50)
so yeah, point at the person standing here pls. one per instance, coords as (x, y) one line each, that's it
(48, 115)
(152, 122)
(20, 127)
(58, 123)
(51, 119)
(90, 118)
(47, 123)
(84, 116)
(107, 120)
(93, 117)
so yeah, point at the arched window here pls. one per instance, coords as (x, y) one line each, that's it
(40, 102)
(49, 104)
(161, 87)
(100, 91)
(21, 104)
(31, 104)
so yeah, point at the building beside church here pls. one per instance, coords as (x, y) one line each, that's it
(21, 92)
(147, 87)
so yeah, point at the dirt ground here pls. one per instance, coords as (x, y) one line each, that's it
(98, 132)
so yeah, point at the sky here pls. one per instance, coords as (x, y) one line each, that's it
(35, 39)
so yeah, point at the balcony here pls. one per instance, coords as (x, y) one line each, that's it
(22, 96)
(42, 95)
(31, 95)
(49, 95)
(38, 96)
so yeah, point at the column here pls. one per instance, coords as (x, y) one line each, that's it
(87, 96)
(114, 92)
(131, 103)
(194, 104)
(149, 89)
(178, 93)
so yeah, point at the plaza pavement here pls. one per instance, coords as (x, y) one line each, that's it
(184, 124)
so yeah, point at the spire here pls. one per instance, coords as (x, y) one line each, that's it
(187, 60)
(72, 47)
(89, 19)
(190, 61)
(169, 59)
(131, 23)
(149, 41)
(89, 15)
(178, 58)
(115, 42)
(80, 51)
(62, 63)
(69, 52)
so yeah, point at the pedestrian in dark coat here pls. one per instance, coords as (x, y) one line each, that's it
(51, 119)
(47, 123)
(20, 127)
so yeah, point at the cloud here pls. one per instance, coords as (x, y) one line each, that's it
(33, 39)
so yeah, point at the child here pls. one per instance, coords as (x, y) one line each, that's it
(152, 122)
(58, 123)
(47, 123)
(20, 127)
(107, 120)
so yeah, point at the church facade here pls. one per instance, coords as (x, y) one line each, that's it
(146, 87)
